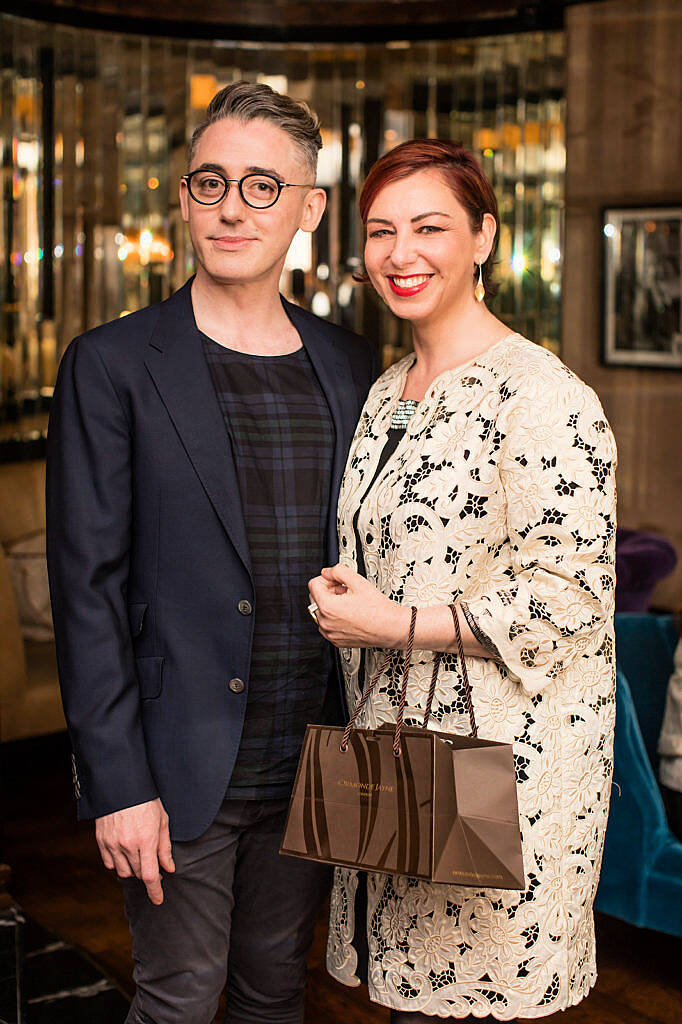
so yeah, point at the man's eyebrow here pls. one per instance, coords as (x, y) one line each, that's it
(209, 166)
(265, 170)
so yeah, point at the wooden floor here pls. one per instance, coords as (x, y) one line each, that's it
(59, 880)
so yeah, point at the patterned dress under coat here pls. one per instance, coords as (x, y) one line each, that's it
(500, 495)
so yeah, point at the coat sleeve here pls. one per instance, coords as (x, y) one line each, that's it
(557, 470)
(89, 502)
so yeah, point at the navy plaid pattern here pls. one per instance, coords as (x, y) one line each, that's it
(282, 438)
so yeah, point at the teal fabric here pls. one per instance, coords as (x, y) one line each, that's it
(641, 879)
(645, 651)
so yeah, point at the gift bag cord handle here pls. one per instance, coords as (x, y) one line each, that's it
(403, 690)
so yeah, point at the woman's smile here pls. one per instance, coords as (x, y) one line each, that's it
(406, 286)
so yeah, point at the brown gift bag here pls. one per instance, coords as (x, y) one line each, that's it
(406, 800)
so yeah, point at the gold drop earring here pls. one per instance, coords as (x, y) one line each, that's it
(479, 290)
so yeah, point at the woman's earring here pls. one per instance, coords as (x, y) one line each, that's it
(479, 290)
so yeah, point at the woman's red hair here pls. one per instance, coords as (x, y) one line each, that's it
(459, 169)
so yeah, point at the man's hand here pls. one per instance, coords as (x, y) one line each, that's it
(136, 841)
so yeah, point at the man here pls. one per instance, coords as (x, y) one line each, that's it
(195, 455)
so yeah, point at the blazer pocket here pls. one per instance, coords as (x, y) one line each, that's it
(150, 676)
(136, 614)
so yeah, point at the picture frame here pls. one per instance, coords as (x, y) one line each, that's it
(642, 322)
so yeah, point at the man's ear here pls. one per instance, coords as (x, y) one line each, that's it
(315, 204)
(184, 200)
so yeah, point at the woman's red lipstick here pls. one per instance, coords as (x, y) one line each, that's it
(406, 286)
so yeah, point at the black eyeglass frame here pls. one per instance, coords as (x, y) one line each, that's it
(239, 182)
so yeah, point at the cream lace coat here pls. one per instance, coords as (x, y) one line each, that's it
(501, 494)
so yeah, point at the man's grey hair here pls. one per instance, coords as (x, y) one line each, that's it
(250, 101)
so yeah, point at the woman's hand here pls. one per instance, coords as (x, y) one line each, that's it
(353, 613)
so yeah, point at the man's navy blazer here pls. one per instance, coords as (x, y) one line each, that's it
(148, 556)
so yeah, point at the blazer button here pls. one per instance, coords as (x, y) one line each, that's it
(236, 685)
(245, 607)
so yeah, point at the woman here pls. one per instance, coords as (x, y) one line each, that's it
(481, 473)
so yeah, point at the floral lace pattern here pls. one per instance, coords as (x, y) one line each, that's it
(500, 495)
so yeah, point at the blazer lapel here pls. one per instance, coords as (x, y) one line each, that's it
(332, 367)
(177, 365)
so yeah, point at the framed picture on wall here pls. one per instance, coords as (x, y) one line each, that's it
(643, 286)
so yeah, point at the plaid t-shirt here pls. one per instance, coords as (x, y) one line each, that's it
(282, 438)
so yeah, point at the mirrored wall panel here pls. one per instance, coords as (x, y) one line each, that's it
(94, 134)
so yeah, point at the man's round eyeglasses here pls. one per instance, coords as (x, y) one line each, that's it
(257, 190)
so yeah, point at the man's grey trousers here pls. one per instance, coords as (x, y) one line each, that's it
(234, 910)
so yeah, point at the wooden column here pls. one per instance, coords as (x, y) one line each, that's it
(624, 148)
